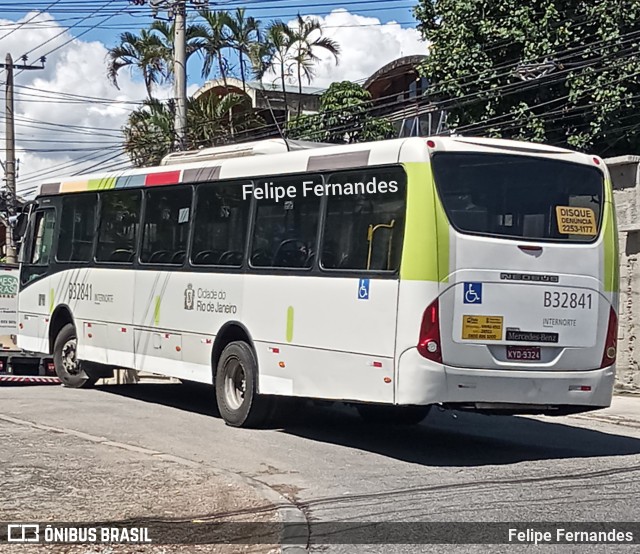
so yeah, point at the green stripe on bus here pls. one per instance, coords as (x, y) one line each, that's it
(425, 252)
(102, 183)
(51, 300)
(289, 323)
(156, 311)
(443, 228)
(611, 254)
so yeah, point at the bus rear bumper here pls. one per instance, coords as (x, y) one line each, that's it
(420, 382)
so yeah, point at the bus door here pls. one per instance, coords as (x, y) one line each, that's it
(34, 308)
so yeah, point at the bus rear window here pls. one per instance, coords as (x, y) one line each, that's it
(519, 196)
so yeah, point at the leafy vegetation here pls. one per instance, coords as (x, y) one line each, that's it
(563, 72)
(149, 132)
(288, 53)
(150, 53)
(344, 117)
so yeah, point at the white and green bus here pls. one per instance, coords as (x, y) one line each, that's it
(475, 274)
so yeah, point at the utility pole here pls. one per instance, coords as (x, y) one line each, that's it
(10, 148)
(180, 74)
(177, 10)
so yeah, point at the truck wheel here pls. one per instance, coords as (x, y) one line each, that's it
(236, 387)
(68, 368)
(392, 415)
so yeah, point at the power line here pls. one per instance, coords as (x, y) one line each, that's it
(28, 20)
(37, 175)
(69, 167)
(65, 30)
(558, 56)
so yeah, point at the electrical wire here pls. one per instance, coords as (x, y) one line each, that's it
(21, 25)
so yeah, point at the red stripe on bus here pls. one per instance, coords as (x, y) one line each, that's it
(165, 178)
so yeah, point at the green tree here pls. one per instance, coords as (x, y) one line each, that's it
(214, 37)
(273, 52)
(244, 32)
(150, 52)
(149, 132)
(166, 32)
(305, 38)
(344, 116)
(559, 71)
(143, 52)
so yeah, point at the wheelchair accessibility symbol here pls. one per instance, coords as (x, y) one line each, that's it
(363, 289)
(472, 293)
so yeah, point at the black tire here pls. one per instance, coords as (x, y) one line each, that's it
(68, 367)
(239, 403)
(380, 414)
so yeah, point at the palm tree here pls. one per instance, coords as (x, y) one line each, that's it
(244, 32)
(166, 32)
(208, 116)
(274, 51)
(305, 38)
(151, 53)
(144, 52)
(149, 131)
(214, 39)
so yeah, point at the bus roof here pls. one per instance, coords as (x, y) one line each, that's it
(306, 159)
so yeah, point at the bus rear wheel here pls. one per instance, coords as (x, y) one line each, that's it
(65, 360)
(239, 403)
(381, 414)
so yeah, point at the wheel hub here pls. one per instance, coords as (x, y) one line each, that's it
(235, 384)
(69, 360)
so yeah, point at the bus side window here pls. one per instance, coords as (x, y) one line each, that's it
(364, 225)
(42, 244)
(220, 226)
(77, 228)
(166, 226)
(285, 231)
(118, 231)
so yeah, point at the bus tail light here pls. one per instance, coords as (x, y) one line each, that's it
(580, 388)
(611, 342)
(429, 340)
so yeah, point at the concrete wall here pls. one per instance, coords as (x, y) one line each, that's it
(625, 174)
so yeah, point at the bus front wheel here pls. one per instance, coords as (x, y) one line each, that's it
(382, 414)
(239, 403)
(65, 360)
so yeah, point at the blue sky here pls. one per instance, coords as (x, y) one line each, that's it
(104, 20)
(133, 17)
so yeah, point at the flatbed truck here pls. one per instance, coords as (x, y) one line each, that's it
(16, 365)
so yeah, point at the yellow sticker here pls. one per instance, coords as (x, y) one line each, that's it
(576, 221)
(482, 327)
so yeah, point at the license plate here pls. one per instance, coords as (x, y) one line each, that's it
(523, 352)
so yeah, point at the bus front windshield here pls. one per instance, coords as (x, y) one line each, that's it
(521, 197)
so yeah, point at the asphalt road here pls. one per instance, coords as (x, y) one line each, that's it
(336, 468)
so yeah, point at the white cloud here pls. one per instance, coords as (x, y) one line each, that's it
(365, 46)
(53, 131)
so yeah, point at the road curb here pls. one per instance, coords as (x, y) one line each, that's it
(294, 538)
(611, 419)
(295, 522)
